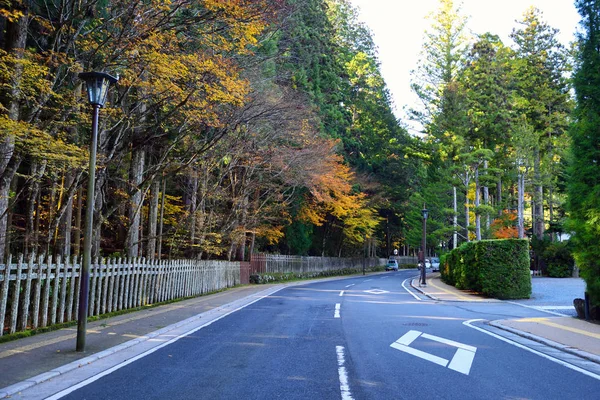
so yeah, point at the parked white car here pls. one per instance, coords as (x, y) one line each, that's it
(435, 264)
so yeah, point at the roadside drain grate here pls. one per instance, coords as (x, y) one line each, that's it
(416, 324)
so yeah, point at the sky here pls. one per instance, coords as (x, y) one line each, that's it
(398, 28)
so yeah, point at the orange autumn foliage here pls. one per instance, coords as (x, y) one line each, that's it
(505, 227)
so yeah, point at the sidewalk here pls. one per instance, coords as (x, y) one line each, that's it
(565, 333)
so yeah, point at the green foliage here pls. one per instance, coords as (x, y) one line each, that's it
(298, 237)
(496, 268)
(584, 169)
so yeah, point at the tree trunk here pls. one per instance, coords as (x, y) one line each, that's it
(36, 173)
(477, 203)
(66, 226)
(161, 218)
(554, 235)
(521, 205)
(77, 230)
(15, 38)
(153, 219)
(499, 196)
(467, 216)
(51, 215)
(192, 210)
(455, 219)
(538, 198)
(136, 173)
(241, 248)
(98, 217)
(486, 197)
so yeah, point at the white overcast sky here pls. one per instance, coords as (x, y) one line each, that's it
(398, 27)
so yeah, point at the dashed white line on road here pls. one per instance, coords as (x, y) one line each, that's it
(367, 280)
(343, 375)
(341, 293)
(337, 310)
(351, 285)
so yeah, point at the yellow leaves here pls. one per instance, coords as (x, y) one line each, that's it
(11, 15)
(311, 214)
(272, 233)
(40, 144)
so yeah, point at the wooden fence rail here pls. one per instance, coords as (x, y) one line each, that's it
(274, 263)
(37, 292)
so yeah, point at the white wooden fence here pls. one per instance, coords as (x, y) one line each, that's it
(273, 263)
(37, 292)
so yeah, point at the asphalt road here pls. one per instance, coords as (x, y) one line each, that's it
(359, 338)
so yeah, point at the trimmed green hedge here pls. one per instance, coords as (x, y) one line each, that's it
(495, 268)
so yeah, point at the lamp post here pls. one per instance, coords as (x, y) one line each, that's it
(97, 84)
(424, 212)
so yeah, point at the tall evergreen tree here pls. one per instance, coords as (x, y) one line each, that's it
(584, 170)
(543, 97)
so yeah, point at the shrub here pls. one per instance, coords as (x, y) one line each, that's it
(559, 260)
(496, 268)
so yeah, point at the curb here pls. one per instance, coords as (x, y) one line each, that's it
(559, 346)
(422, 291)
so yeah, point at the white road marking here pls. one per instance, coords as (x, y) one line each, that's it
(450, 342)
(461, 361)
(421, 354)
(536, 308)
(376, 291)
(341, 293)
(337, 310)
(408, 338)
(351, 285)
(554, 307)
(343, 375)
(367, 280)
(413, 295)
(150, 351)
(519, 345)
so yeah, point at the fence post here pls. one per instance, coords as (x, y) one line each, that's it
(63, 291)
(71, 289)
(46, 295)
(27, 298)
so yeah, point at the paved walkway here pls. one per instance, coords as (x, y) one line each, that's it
(564, 332)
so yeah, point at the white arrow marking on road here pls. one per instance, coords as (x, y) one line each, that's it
(461, 362)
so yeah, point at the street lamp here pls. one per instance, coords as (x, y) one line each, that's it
(97, 84)
(424, 212)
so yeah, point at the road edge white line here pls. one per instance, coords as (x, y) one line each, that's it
(519, 345)
(94, 378)
(413, 295)
(343, 374)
